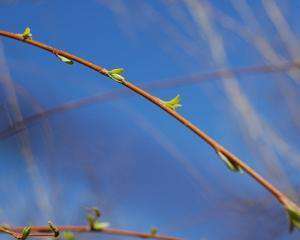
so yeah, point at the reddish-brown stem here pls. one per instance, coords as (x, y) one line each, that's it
(10, 232)
(215, 145)
(16, 233)
(41, 235)
(281, 197)
(41, 231)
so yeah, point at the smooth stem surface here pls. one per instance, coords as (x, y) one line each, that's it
(281, 197)
(37, 230)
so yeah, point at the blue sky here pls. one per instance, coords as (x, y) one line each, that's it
(137, 164)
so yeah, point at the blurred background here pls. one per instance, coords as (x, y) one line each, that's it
(72, 139)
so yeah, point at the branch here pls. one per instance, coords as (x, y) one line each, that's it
(16, 233)
(222, 152)
(40, 231)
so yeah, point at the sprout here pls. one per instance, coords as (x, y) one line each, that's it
(293, 213)
(65, 60)
(230, 164)
(173, 103)
(154, 231)
(25, 232)
(115, 74)
(92, 219)
(54, 229)
(27, 33)
(67, 235)
(100, 225)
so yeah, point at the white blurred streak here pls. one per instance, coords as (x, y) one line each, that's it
(260, 42)
(268, 52)
(37, 109)
(122, 13)
(283, 28)
(148, 15)
(175, 153)
(177, 13)
(256, 127)
(247, 15)
(40, 192)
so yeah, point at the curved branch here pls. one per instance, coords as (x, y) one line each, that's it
(281, 197)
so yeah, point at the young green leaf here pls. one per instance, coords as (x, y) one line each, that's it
(91, 220)
(116, 71)
(27, 33)
(25, 232)
(53, 228)
(173, 103)
(100, 225)
(65, 60)
(230, 165)
(153, 231)
(96, 212)
(115, 74)
(67, 235)
(294, 215)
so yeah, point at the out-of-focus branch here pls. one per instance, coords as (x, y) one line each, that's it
(183, 81)
(270, 55)
(14, 114)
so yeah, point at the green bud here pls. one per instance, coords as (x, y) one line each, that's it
(230, 165)
(100, 225)
(25, 232)
(173, 103)
(117, 77)
(65, 60)
(116, 71)
(153, 231)
(96, 212)
(115, 74)
(27, 33)
(67, 235)
(91, 220)
(293, 213)
(53, 228)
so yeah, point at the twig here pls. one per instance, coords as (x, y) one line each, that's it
(10, 232)
(281, 197)
(37, 231)
(16, 233)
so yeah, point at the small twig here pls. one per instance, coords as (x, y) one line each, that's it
(16, 233)
(10, 232)
(37, 231)
(39, 235)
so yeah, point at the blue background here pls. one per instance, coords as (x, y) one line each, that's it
(126, 156)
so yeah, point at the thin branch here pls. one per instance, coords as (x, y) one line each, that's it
(17, 233)
(281, 197)
(39, 231)
(40, 194)
(10, 232)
